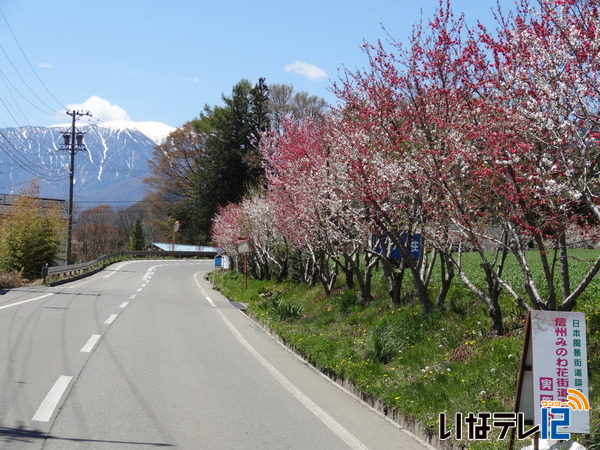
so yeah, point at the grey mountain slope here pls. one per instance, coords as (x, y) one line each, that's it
(111, 170)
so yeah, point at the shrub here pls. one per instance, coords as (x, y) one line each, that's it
(10, 280)
(397, 332)
(29, 235)
(281, 309)
(348, 300)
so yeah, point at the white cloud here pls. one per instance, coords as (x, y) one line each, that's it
(102, 109)
(307, 70)
(44, 65)
(191, 79)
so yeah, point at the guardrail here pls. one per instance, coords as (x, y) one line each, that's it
(75, 270)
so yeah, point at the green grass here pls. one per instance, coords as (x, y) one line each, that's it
(420, 365)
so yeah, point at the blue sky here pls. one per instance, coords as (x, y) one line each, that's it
(158, 60)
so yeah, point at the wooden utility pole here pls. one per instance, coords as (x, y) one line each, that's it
(73, 142)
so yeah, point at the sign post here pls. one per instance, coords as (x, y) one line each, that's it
(175, 230)
(244, 249)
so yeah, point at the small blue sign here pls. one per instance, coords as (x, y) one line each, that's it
(415, 246)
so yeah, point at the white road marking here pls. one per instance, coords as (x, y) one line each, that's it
(90, 343)
(46, 409)
(110, 319)
(210, 301)
(124, 305)
(26, 301)
(139, 290)
(148, 273)
(329, 421)
(116, 268)
(132, 296)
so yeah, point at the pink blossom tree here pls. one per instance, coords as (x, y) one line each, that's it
(228, 226)
(308, 182)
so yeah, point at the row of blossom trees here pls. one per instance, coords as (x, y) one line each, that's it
(474, 140)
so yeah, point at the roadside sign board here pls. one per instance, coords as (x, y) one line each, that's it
(243, 247)
(555, 362)
(394, 252)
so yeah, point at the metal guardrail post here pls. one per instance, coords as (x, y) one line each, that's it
(45, 273)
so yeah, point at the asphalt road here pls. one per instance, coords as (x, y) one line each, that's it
(146, 355)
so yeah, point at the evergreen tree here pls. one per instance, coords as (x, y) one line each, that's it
(137, 239)
(232, 163)
(213, 159)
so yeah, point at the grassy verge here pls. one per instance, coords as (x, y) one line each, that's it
(447, 361)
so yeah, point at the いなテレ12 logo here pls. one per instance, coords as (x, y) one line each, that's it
(556, 414)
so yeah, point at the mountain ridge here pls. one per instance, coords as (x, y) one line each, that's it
(117, 156)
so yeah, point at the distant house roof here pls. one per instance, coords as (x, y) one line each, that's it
(8, 200)
(185, 248)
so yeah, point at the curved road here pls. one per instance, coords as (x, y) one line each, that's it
(146, 355)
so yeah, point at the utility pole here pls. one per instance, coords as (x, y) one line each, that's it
(73, 142)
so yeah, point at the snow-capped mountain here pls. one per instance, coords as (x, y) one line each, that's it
(110, 170)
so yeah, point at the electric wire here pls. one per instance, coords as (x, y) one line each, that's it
(9, 112)
(22, 95)
(28, 165)
(50, 110)
(24, 159)
(22, 183)
(28, 62)
(4, 79)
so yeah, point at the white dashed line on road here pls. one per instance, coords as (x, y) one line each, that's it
(90, 343)
(110, 319)
(46, 409)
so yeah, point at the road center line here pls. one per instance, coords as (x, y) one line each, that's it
(110, 319)
(90, 343)
(132, 296)
(46, 409)
(329, 421)
(26, 301)
(124, 305)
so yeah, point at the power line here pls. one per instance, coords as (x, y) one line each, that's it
(28, 165)
(22, 95)
(25, 82)
(19, 73)
(28, 62)
(4, 79)
(9, 112)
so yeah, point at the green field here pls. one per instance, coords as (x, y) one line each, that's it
(448, 361)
